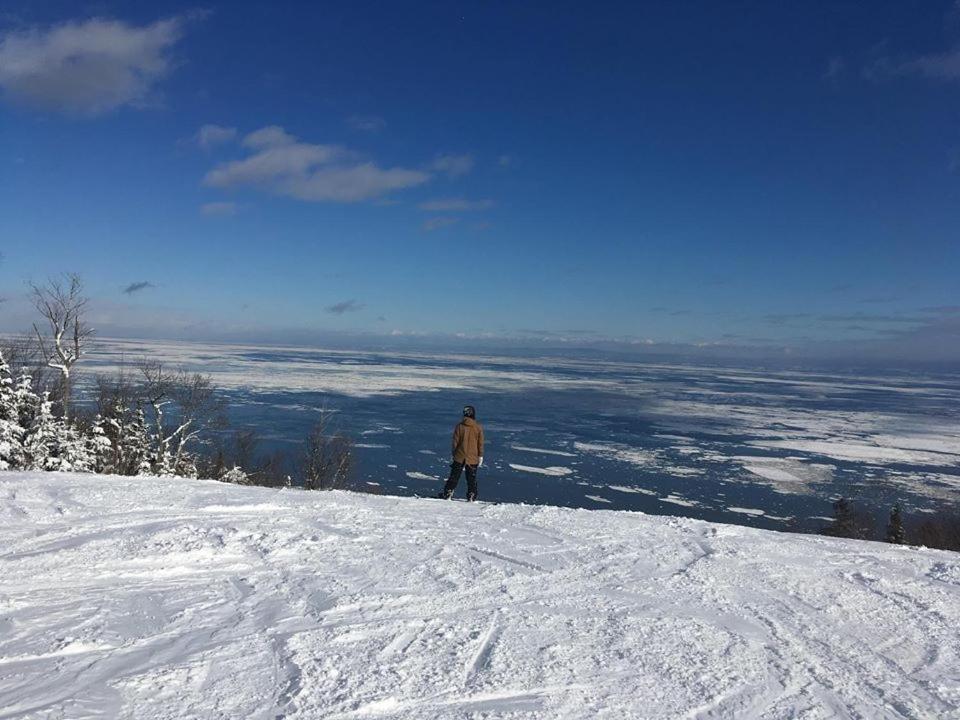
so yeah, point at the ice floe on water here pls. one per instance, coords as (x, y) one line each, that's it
(355, 373)
(416, 475)
(861, 452)
(683, 470)
(625, 489)
(675, 499)
(930, 484)
(623, 453)
(787, 476)
(543, 451)
(946, 441)
(553, 471)
(746, 511)
(597, 498)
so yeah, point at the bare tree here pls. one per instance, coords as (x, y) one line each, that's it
(328, 458)
(63, 305)
(24, 357)
(184, 406)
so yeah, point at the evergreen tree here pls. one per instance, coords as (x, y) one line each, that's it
(53, 444)
(100, 448)
(74, 451)
(11, 431)
(40, 443)
(235, 475)
(137, 445)
(895, 531)
(844, 521)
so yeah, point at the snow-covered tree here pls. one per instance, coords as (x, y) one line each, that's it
(63, 306)
(128, 442)
(52, 443)
(100, 447)
(74, 449)
(235, 475)
(41, 438)
(137, 445)
(11, 431)
(184, 406)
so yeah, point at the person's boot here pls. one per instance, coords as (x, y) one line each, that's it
(445, 495)
(471, 497)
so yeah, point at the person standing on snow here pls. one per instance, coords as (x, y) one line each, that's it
(467, 453)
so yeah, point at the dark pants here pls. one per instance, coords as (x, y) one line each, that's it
(456, 469)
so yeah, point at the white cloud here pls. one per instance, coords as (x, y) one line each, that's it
(438, 222)
(453, 165)
(281, 164)
(358, 182)
(267, 137)
(219, 209)
(210, 136)
(455, 205)
(87, 68)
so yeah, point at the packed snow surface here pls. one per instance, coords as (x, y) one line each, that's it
(162, 598)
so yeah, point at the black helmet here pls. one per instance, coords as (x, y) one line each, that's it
(469, 411)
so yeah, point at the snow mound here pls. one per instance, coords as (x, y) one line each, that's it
(160, 598)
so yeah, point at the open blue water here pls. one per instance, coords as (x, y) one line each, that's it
(769, 448)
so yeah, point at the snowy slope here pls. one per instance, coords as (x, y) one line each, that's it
(148, 598)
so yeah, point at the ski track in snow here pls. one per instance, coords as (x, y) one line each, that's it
(163, 598)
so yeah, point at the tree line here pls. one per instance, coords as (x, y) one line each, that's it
(940, 531)
(146, 420)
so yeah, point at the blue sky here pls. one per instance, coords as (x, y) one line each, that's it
(683, 173)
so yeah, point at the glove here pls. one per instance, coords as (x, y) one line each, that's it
(480, 464)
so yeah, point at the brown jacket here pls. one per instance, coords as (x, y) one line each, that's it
(468, 442)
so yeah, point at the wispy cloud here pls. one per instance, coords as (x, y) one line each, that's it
(453, 165)
(87, 68)
(880, 299)
(136, 287)
(865, 318)
(783, 318)
(942, 310)
(438, 222)
(281, 164)
(209, 136)
(366, 123)
(219, 209)
(835, 68)
(347, 306)
(455, 205)
(939, 66)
